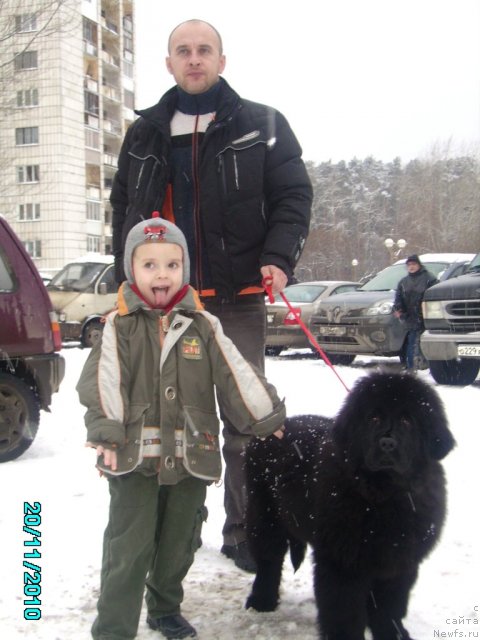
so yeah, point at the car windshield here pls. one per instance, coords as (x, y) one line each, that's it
(388, 278)
(77, 276)
(302, 293)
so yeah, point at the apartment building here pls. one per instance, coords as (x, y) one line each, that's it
(66, 99)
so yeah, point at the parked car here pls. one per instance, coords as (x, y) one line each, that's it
(31, 370)
(362, 322)
(283, 330)
(451, 341)
(81, 293)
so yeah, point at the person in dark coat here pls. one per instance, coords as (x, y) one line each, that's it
(229, 173)
(408, 305)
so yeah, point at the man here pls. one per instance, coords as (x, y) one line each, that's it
(408, 306)
(229, 173)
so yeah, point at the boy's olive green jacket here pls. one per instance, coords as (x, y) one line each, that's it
(155, 405)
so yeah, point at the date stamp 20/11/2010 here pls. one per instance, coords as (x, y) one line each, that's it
(32, 575)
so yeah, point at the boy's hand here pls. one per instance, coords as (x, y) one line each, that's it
(109, 457)
(279, 433)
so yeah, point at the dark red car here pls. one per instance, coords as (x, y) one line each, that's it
(30, 367)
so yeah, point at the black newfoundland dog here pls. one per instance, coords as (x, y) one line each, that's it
(365, 490)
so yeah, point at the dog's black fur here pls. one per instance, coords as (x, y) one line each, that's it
(365, 490)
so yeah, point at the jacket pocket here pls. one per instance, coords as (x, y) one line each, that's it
(144, 177)
(130, 455)
(201, 447)
(240, 166)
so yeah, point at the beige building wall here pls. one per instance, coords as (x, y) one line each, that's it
(62, 121)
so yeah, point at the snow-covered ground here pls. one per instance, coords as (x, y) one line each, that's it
(58, 472)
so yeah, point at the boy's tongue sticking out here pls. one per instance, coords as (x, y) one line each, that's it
(161, 297)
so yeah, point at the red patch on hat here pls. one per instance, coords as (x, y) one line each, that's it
(155, 233)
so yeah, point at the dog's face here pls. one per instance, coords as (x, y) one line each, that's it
(389, 441)
(393, 424)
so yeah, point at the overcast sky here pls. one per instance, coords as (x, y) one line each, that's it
(355, 78)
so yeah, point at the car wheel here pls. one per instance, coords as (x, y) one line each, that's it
(454, 372)
(92, 333)
(19, 417)
(273, 351)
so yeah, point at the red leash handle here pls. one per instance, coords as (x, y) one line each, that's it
(267, 285)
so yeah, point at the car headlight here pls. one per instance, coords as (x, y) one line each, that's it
(432, 310)
(380, 309)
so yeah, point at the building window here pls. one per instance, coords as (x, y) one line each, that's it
(91, 103)
(127, 42)
(90, 31)
(27, 98)
(26, 60)
(92, 139)
(93, 244)
(26, 22)
(28, 173)
(94, 211)
(129, 99)
(34, 248)
(26, 135)
(29, 211)
(128, 69)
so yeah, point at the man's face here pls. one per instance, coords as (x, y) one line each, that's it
(413, 267)
(194, 58)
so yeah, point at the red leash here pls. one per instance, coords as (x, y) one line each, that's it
(267, 285)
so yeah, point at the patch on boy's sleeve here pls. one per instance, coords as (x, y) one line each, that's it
(191, 348)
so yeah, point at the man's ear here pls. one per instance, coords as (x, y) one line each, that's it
(168, 64)
(223, 62)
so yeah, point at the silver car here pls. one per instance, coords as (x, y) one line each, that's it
(283, 330)
(363, 323)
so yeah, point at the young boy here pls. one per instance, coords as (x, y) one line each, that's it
(149, 388)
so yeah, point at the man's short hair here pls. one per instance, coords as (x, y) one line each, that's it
(197, 21)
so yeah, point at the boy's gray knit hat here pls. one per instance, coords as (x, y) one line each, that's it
(154, 230)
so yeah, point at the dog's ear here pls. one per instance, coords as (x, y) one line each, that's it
(440, 440)
(431, 413)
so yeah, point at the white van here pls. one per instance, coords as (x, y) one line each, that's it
(81, 294)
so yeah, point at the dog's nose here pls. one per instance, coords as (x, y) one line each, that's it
(388, 444)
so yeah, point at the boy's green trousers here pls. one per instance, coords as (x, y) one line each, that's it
(152, 530)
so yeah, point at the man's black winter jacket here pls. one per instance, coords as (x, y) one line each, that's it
(253, 189)
(409, 296)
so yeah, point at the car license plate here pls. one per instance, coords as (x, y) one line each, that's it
(332, 331)
(469, 350)
(270, 318)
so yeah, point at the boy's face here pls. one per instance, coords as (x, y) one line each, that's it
(158, 271)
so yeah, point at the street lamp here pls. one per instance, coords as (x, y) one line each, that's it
(394, 248)
(354, 269)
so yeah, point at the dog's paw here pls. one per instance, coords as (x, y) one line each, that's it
(261, 603)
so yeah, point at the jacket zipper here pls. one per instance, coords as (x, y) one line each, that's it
(196, 208)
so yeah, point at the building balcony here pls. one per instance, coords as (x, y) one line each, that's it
(93, 193)
(92, 121)
(112, 126)
(113, 61)
(110, 160)
(90, 84)
(111, 93)
(90, 49)
(109, 25)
